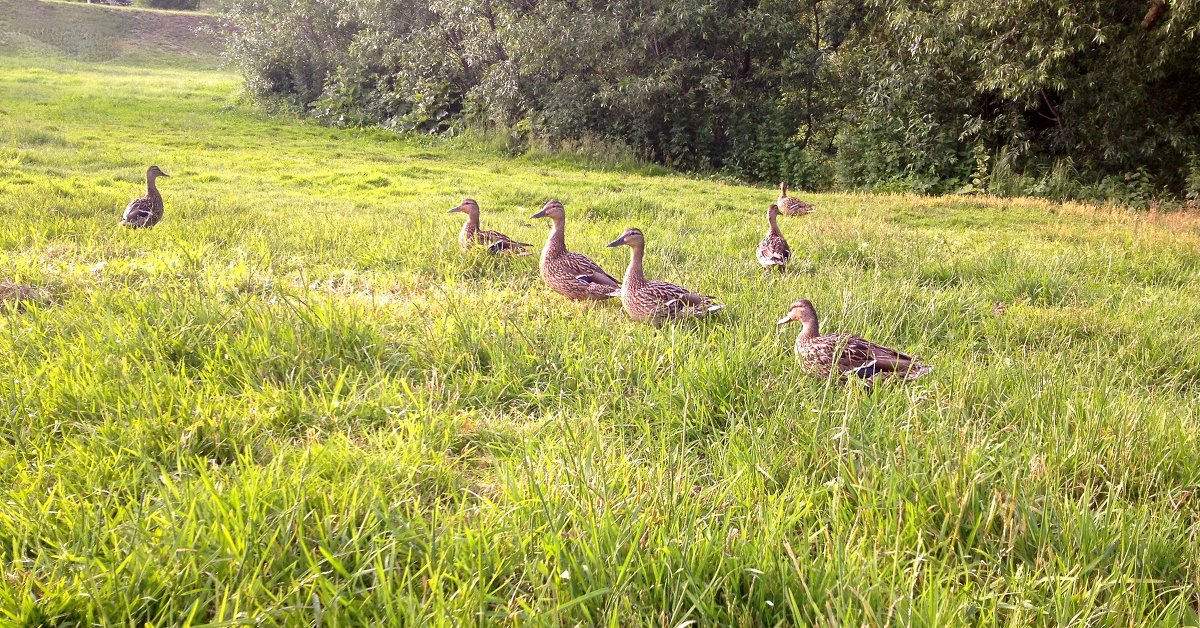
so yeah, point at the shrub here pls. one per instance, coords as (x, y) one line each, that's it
(937, 95)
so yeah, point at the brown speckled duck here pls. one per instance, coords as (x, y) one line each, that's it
(850, 355)
(494, 241)
(656, 301)
(790, 205)
(570, 274)
(147, 210)
(773, 252)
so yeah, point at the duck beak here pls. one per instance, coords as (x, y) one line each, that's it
(456, 209)
(163, 174)
(541, 214)
(784, 321)
(615, 243)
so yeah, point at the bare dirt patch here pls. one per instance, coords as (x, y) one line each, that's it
(20, 296)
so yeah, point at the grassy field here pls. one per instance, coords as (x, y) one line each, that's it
(297, 402)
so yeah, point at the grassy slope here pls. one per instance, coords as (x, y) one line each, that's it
(102, 33)
(297, 400)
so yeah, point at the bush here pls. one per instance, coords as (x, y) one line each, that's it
(1058, 99)
(1192, 181)
(694, 85)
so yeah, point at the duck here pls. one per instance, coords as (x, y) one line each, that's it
(773, 252)
(494, 241)
(656, 301)
(572, 275)
(146, 211)
(851, 356)
(790, 205)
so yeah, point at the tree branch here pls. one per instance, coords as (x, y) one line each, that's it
(1053, 111)
(1157, 8)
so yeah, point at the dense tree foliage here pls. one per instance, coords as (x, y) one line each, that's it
(1092, 89)
(1065, 99)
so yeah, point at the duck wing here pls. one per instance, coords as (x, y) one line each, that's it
(773, 251)
(890, 361)
(663, 291)
(499, 243)
(852, 355)
(793, 206)
(138, 212)
(679, 300)
(866, 359)
(588, 272)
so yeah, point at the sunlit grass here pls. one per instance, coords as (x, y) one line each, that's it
(297, 401)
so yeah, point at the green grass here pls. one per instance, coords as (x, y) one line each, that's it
(297, 402)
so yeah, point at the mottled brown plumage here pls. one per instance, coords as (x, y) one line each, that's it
(847, 355)
(656, 301)
(146, 211)
(494, 241)
(773, 252)
(790, 205)
(570, 274)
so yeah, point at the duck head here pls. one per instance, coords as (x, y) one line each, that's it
(802, 311)
(468, 206)
(154, 172)
(632, 237)
(552, 209)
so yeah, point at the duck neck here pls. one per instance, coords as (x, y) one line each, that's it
(634, 274)
(771, 218)
(151, 188)
(472, 224)
(811, 328)
(556, 244)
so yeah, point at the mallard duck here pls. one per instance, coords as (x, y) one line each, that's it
(570, 274)
(656, 301)
(471, 235)
(850, 355)
(773, 251)
(147, 210)
(790, 205)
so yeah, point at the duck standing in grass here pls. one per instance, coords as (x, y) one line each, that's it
(656, 301)
(572, 275)
(773, 252)
(790, 205)
(846, 354)
(471, 235)
(147, 210)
